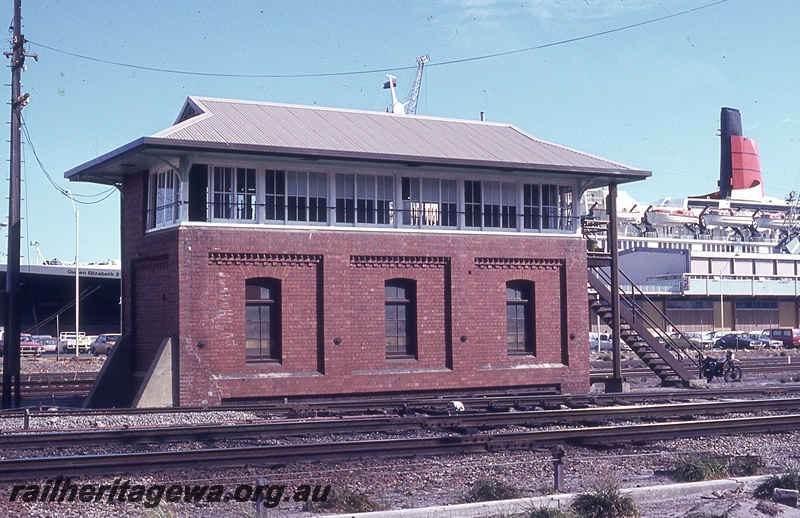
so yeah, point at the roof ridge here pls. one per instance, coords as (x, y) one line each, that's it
(350, 132)
(201, 99)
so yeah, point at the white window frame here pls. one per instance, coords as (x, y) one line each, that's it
(306, 185)
(430, 202)
(373, 199)
(551, 215)
(238, 197)
(164, 202)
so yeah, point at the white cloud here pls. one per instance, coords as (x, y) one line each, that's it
(492, 12)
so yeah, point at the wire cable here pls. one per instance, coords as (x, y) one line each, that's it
(380, 70)
(103, 194)
(24, 178)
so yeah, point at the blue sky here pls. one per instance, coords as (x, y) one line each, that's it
(648, 96)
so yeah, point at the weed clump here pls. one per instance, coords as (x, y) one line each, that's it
(489, 490)
(745, 466)
(348, 501)
(789, 480)
(537, 511)
(695, 469)
(605, 501)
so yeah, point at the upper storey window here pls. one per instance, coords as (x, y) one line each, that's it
(306, 196)
(164, 199)
(548, 207)
(490, 204)
(364, 199)
(242, 194)
(429, 202)
(295, 196)
(276, 195)
(234, 193)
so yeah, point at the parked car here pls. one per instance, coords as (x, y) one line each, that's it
(696, 339)
(708, 339)
(103, 343)
(738, 341)
(789, 336)
(601, 342)
(66, 342)
(50, 344)
(27, 345)
(768, 342)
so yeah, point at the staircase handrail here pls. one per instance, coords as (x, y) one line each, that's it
(630, 301)
(639, 336)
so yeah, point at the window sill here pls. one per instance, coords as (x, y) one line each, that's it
(402, 358)
(517, 354)
(163, 226)
(522, 366)
(301, 225)
(398, 369)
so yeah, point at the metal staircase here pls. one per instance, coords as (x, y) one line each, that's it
(642, 330)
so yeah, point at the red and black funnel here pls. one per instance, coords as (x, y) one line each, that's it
(740, 165)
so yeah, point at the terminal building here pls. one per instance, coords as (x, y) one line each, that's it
(47, 297)
(272, 250)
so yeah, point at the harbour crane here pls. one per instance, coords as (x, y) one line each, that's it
(410, 106)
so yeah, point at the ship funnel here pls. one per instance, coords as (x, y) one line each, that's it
(740, 166)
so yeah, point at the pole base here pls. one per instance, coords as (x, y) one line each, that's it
(617, 386)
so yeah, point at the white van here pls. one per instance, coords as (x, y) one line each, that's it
(66, 342)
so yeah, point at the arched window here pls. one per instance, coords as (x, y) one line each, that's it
(263, 320)
(519, 317)
(401, 311)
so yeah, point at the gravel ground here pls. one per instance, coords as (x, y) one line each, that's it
(417, 482)
(49, 363)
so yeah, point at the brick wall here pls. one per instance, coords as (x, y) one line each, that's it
(332, 286)
(149, 274)
(188, 283)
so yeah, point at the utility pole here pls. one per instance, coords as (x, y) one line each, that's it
(11, 364)
(616, 383)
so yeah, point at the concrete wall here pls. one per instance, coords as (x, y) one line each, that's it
(641, 264)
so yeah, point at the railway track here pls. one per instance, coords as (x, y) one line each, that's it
(55, 385)
(494, 401)
(394, 424)
(126, 463)
(61, 388)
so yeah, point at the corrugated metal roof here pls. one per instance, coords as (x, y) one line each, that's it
(225, 126)
(351, 132)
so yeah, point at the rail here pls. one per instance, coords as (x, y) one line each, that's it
(107, 464)
(281, 429)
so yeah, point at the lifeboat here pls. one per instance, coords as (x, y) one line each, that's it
(773, 221)
(727, 218)
(671, 217)
(627, 216)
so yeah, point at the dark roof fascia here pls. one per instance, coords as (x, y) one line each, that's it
(95, 167)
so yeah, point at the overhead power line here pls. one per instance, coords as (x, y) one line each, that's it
(379, 70)
(102, 195)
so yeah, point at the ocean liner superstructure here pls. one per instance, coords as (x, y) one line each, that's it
(728, 260)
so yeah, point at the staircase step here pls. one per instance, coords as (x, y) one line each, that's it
(637, 334)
